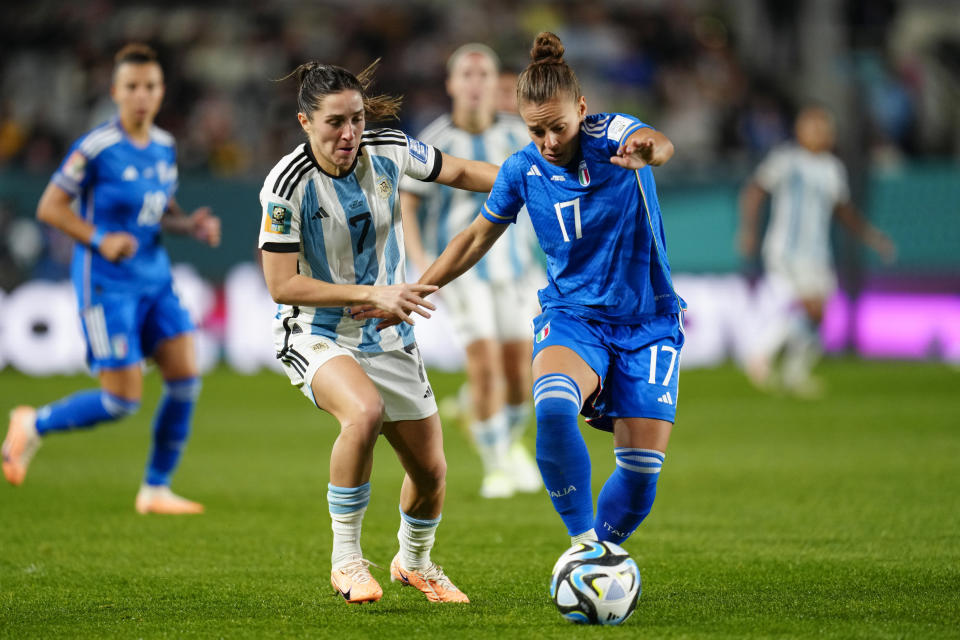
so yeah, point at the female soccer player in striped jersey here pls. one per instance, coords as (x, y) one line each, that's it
(123, 175)
(331, 237)
(492, 305)
(808, 185)
(608, 340)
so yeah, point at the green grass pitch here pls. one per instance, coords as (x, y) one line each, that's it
(775, 518)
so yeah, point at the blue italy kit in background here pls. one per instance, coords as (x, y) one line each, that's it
(129, 306)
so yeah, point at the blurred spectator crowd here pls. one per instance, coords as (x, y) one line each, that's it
(721, 78)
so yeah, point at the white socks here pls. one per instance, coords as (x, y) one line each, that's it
(587, 535)
(518, 415)
(347, 506)
(416, 538)
(492, 438)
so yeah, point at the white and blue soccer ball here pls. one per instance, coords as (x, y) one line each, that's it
(595, 583)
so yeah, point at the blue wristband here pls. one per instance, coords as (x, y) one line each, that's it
(97, 238)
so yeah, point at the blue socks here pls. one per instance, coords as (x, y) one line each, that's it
(83, 409)
(561, 452)
(171, 425)
(171, 428)
(627, 496)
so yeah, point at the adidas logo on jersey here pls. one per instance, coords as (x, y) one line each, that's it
(665, 398)
(534, 171)
(557, 178)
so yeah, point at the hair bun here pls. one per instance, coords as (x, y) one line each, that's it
(547, 49)
(301, 72)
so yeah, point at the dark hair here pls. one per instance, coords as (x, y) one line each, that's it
(547, 74)
(315, 81)
(135, 53)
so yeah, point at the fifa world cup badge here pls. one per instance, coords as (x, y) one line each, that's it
(278, 219)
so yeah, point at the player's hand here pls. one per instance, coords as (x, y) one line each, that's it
(387, 319)
(635, 154)
(117, 246)
(205, 227)
(388, 322)
(368, 311)
(397, 301)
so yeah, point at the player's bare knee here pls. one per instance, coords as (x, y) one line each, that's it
(364, 420)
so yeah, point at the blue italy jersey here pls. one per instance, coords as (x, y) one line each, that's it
(120, 186)
(599, 225)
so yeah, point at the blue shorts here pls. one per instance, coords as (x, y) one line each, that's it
(638, 364)
(122, 328)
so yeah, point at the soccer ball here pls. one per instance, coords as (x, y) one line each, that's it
(595, 583)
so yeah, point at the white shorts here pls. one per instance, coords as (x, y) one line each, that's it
(398, 375)
(500, 311)
(802, 279)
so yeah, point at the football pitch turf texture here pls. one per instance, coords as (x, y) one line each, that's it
(775, 518)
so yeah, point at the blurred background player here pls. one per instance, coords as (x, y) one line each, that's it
(507, 91)
(492, 305)
(123, 175)
(609, 339)
(332, 236)
(808, 185)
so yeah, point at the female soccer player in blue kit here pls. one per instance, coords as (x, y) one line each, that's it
(608, 341)
(123, 175)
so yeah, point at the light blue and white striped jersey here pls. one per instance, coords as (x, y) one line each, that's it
(599, 225)
(445, 211)
(120, 186)
(346, 229)
(805, 189)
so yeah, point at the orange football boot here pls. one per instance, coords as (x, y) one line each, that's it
(20, 445)
(163, 501)
(432, 581)
(353, 581)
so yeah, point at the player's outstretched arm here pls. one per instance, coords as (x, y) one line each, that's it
(286, 286)
(464, 251)
(644, 147)
(877, 240)
(470, 175)
(201, 224)
(54, 209)
(751, 199)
